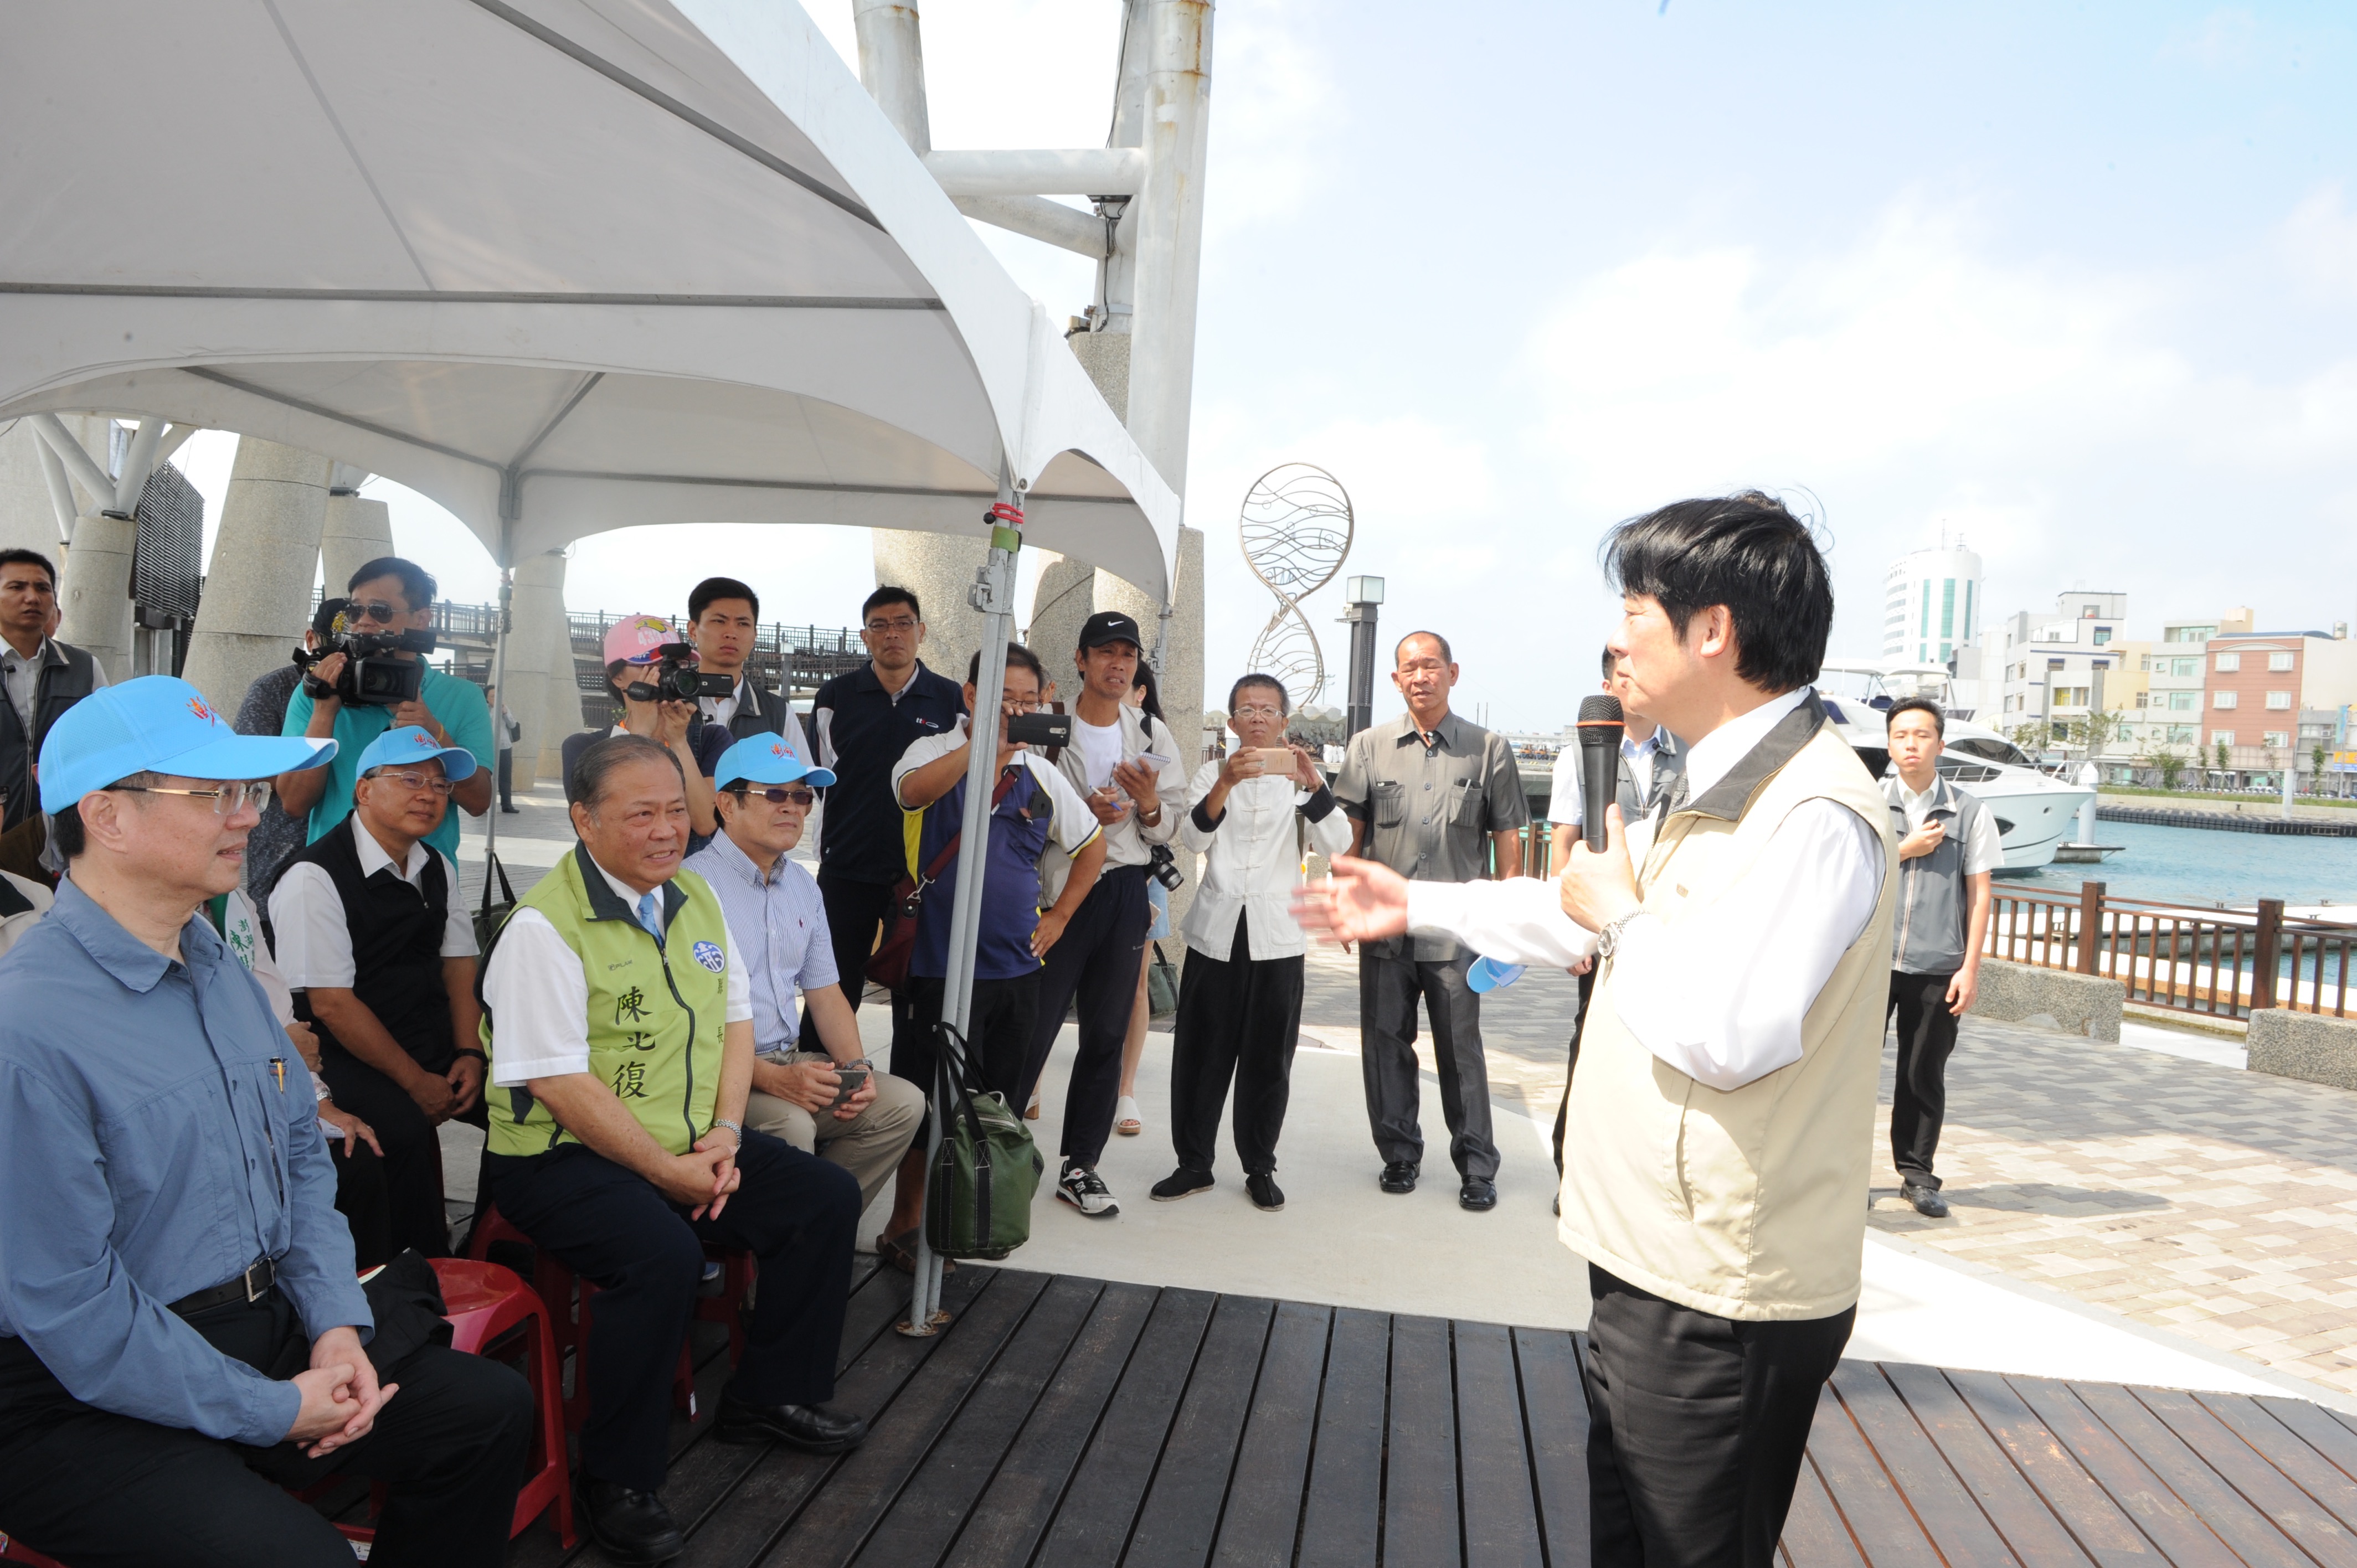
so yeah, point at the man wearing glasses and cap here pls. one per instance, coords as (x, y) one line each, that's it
(830, 1101)
(181, 1332)
(379, 952)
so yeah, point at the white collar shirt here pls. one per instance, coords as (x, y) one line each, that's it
(306, 913)
(1252, 862)
(722, 711)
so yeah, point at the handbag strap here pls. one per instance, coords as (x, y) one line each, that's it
(506, 889)
(949, 851)
(954, 1072)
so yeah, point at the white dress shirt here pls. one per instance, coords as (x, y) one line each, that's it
(306, 913)
(1565, 809)
(1252, 862)
(1983, 847)
(1721, 997)
(539, 999)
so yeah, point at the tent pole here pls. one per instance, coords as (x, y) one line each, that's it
(994, 594)
(498, 680)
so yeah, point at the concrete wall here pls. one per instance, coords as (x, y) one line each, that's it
(258, 586)
(28, 519)
(356, 531)
(2305, 1046)
(2051, 998)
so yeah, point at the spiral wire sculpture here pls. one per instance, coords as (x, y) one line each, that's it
(1295, 528)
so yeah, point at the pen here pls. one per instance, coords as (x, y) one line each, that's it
(278, 1071)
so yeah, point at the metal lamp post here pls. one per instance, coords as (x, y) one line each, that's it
(1365, 597)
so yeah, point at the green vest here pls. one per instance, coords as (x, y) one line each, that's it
(657, 1009)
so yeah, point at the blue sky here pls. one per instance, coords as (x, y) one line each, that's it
(2076, 282)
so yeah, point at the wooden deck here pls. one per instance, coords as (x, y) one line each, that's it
(1065, 1422)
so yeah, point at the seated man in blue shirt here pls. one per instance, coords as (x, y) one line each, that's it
(775, 913)
(181, 1332)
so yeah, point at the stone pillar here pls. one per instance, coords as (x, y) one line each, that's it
(258, 589)
(937, 568)
(538, 605)
(357, 530)
(1062, 598)
(97, 596)
(564, 706)
(1105, 357)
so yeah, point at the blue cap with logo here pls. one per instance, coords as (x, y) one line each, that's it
(410, 745)
(767, 759)
(158, 725)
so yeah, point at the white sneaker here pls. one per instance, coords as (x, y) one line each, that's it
(1125, 1120)
(1086, 1191)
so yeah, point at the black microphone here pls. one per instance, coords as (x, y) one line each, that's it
(1599, 766)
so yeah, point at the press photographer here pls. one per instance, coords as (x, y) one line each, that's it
(660, 682)
(371, 678)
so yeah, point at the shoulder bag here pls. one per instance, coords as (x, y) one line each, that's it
(491, 915)
(984, 1176)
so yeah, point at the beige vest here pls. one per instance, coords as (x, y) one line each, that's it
(1746, 1204)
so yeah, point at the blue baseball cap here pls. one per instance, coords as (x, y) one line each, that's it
(767, 759)
(158, 725)
(410, 744)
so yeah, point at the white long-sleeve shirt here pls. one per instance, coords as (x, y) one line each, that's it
(1251, 864)
(1721, 997)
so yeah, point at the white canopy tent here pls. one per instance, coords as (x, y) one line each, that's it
(561, 265)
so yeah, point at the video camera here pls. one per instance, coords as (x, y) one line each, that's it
(677, 680)
(371, 677)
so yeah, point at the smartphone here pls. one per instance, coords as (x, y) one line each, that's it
(853, 1077)
(1275, 760)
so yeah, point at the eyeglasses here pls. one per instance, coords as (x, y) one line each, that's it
(1258, 713)
(227, 801)
(776, 796)
(376, 610)
(904, 625)
(415, 783)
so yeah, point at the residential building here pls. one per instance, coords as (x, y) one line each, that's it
(1931, 604)
(2061, 668)
(2271, 698)
(2175, 677)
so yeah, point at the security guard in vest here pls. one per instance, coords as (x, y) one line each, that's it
(619, 1025)
(381, 957)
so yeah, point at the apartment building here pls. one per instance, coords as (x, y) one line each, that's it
(1931, 607)
(2060, 667)
(2176, 674)
(2272, 698)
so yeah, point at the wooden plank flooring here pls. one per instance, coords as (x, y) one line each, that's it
(1066, 1423)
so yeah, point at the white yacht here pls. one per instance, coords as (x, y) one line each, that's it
(2034, 812)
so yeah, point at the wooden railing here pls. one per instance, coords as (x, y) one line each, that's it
(2225, 964)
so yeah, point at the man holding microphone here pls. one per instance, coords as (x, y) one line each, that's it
(1720, 1122)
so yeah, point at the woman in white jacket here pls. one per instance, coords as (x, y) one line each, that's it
(1240, 997)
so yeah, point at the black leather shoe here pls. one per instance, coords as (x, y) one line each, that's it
(1477, 1195)
(1399, 1176)
(813, 1428)
(632, 1527)
(1926, 1199)
(1265, 1192)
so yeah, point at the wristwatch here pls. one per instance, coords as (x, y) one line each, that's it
(1608, 940)
(733, 1127)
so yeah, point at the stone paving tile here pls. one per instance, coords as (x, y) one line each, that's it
(2220, 1204)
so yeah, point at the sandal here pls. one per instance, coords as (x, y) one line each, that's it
(897, 1252)
(1125, 1117)
(1031, 1111)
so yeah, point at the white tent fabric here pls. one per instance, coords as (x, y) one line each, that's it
(561, 265)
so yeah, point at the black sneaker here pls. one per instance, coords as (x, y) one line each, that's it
(1081, 1187)
(1180, 1183)
(1267, 1196)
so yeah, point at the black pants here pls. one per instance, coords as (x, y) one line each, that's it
(1918, 1103)
(1096, 960)
(1237, 1018)
(95, 1490)
(1388, 989)
(1696, 1427)
(413, 1149)
(507, 777)
(855, 912)
(362, 1200)
(1571, 1065)
(998, 1032)
(795, 1212)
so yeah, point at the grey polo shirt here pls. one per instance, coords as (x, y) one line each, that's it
(1431, 808)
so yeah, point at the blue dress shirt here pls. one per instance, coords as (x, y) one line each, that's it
(779, 925)
(148, 1150)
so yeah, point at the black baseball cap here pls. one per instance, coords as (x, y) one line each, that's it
(323, 619)
(1110, 626)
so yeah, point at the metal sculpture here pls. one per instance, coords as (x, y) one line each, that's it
(1296, 527)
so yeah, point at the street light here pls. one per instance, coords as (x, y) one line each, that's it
(1364, 596)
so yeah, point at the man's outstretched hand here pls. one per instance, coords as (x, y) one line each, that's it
(1362, 901)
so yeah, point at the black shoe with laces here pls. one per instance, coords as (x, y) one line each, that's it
(1479, 1194)
(1180, 1183)
(1399, 1176)
(1081, 1187)
(632, 1525)
(1926, 1199)
(1267, 1196)
(813, 1428)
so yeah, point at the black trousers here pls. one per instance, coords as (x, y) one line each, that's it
(1388, 989)
(1238, 1018)
(1571, 1066)
(1697, 1425)
(1097, 961)
(507, 777)
(795, 1212)
(1919, 1102)
(99, 1490)
(413, 1148)
(362, 1200)
(998, 1032)
(855, 912)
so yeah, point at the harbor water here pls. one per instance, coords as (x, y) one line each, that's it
(2207, 868)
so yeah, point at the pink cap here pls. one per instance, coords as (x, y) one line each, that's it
(634, 639)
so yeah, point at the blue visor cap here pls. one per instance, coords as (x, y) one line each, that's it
(158, 725)
(765, 759)
(410, 745)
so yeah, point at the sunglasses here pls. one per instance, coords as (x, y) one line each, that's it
(376, 610)
(227, 801)
(777, 795)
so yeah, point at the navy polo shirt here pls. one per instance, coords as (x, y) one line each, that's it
(862, 732)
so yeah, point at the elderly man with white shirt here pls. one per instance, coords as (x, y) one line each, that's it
(1240, 997)
(1719, 1143)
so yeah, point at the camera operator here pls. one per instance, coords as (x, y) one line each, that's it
(642, 658)
(264, 711)
(723, 617)
(388, 595)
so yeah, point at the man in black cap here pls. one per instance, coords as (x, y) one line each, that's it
(1130, 770)
(264, 711)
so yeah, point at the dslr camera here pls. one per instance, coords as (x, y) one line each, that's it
(1163, 867)
(371, 677)
(676, 679)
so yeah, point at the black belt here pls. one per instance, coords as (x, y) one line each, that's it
(249, 1287)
